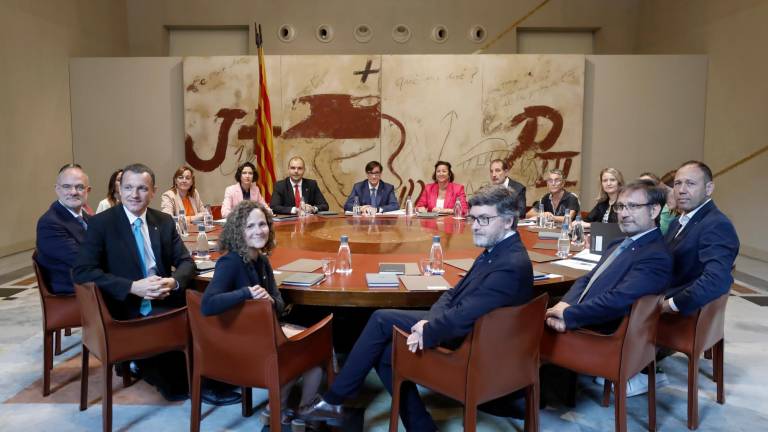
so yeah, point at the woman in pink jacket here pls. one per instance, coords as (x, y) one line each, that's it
(245, 188)
(442, 195)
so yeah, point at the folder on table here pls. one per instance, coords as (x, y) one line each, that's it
(425, 283)
(303, 279)
(302, 265)
(382, 280)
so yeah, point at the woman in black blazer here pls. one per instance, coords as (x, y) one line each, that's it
(245, 273)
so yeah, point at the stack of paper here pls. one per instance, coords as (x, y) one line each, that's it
(303, 279)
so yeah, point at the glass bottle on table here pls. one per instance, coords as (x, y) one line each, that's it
(344, 257)
(181, 223)
(577, 233)
(409, 206)
(355, 206)
(300, 211)
(458, 212)
(207, 217)
(540, 216)
(201, 246)
(563, 242)
(436, 257)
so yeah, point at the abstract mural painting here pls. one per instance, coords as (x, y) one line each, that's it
(339, 112)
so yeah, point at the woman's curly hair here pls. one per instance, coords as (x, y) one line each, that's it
(232, 238)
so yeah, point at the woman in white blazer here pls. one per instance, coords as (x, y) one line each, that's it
(245, 188)
(183, 195)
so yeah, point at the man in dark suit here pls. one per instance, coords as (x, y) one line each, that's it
(500, 175)
(61, 229)
(374, 195)
(288, 193)
(633, 267)
(136, 257)
(501, 276)
(703, 243)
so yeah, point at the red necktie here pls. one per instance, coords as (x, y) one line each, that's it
(296, 197)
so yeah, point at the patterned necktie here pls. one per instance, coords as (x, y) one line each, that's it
(146, 305)
(373, 197)
(616, 252)
(296, 196)
(81, 221)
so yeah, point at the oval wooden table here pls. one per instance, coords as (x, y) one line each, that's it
(384, 239)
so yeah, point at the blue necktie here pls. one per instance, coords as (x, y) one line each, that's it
(616, 252)
(146, 305)
(373, 197)
(81, 221)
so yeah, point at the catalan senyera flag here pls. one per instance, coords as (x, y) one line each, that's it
(264, 151)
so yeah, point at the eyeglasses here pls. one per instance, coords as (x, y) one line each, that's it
(628, 206)
(555, 181)
(371, 173)
(69, 187)
(481, 220)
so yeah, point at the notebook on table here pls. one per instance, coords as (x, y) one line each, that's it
(462, 263)
(425, 283)
(399, 268)
(382, 280)
(303, 279)
(302, 265)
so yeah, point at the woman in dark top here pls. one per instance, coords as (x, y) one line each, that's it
(245, 273)
(611, 181)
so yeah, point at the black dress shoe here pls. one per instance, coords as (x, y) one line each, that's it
(172, 395)
(319, 409)
(219, 396)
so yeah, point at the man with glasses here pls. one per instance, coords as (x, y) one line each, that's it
(558, 202)
(373, 195)
(703, 242)
(137, 259)
(501, 276)
(61, 229)
(633, 267)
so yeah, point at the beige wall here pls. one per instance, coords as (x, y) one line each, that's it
(38, 37)
(734, 35)
(613, 21)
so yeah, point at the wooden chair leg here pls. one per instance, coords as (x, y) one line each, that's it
(106, 396)
(247, 401)
(470, 416)
(620, 402)
(67, 331)
(274, 408)
(394, 411)
(652, 396)
(693, 392)
(84, 380)
(194, 390)
(126, 369)
(47, 361)
(57, 349)
(606, 393)
(532, 395)
(718, 363)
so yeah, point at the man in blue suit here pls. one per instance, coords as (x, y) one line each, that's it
(374, 195)
(501, 276)
(703, 243)
(633, 267)
(61, 229)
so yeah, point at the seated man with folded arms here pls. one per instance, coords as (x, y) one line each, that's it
(373, 195)
(61, 229)
(288, 193)
(501, 276)
(702, 241)
(137, 259)
(631, 268)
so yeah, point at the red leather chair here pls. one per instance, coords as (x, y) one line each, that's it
(692, 335)
(616, 357)
(113, 341)
(245, 346)
(479, 370)
(60, 311)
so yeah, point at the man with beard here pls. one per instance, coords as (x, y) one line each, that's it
(501, 276)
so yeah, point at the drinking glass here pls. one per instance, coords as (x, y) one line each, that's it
(329, 266)
(563, 247)
(425, 266)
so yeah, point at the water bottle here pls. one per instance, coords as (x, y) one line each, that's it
(201, 247)
(409, 207)
(577, 233)
(540, 215)
(563, 242)
(300, 211)
(436, 257)
(355, 206)
(182, 223)
(458, 212)
(567, 221)
(344, 258)
(207, 217)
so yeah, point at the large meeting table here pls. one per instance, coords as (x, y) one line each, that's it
(374, 240)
